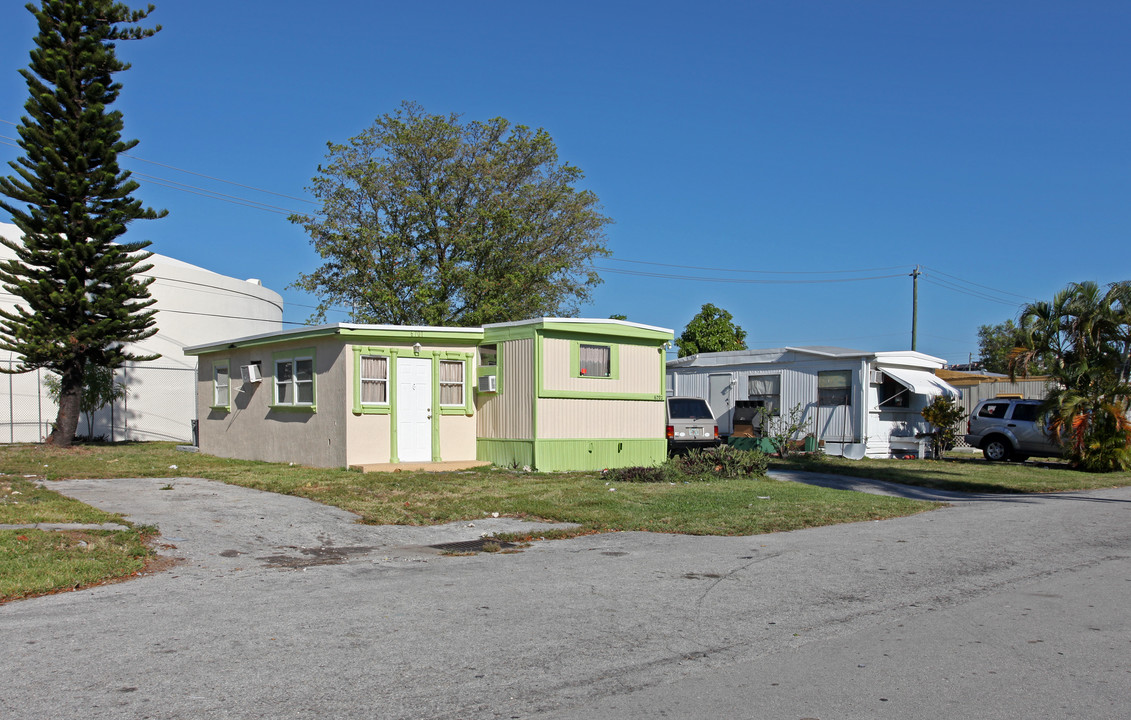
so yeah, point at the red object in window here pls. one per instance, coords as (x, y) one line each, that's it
(582, 371)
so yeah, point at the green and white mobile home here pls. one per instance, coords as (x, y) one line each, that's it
(571, 394)
(549, 393)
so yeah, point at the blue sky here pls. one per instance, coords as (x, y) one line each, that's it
(791, 141)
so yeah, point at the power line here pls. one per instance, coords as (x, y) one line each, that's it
(972, 293)
(741, 281)
(764, 272)
(984, 287)
(234, 199)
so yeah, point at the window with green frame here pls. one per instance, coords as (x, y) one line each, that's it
(221, 385)
(294, 379)
(595, 360)
(374, 379)
(452, 389)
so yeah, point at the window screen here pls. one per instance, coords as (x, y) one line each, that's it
(834, 387)
(767, 389)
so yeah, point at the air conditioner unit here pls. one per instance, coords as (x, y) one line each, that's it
(876, 377)
(487, 383)
(250, 373)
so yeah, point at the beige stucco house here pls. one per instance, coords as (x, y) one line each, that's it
(549, 393)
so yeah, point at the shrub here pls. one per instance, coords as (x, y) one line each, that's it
(655, 474)
(721, 461)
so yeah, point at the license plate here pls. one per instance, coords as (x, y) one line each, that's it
(695, 432)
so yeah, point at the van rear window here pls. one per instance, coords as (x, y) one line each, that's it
(688, 408)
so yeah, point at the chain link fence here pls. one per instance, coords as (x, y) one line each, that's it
(160, 404)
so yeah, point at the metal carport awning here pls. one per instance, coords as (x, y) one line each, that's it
(922, 382)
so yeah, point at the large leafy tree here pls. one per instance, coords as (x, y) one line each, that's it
(1001, 345)
(711, 330)
(428, 220)
(80, 296)
(1085, 334)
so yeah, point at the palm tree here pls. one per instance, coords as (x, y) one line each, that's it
(1085, 333)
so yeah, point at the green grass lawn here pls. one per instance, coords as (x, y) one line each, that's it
(964, 472)
(33, 562)
(717, 507)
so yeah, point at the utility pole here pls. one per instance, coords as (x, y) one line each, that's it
(915, 306)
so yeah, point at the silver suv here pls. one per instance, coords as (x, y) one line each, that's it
(1010, 429)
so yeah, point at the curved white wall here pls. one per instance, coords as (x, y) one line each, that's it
(194, 307)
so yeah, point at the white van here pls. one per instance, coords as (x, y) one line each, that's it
(691, 424)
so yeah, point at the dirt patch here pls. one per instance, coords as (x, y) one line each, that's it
(311, 557)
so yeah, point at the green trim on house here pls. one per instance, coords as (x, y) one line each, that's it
(590, 395)
(540, 390)
(598, 453)
(433, 337)
(349, 334)
(575, 359)
(571, 454)
(372, 409)
(295, 354)
(496, 369)
(562, 326)
(393, 354)
(468, 407)
(505, 453)
(226, 363)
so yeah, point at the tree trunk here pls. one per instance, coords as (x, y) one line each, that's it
(70, 399)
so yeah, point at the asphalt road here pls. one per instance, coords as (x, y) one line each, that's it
(992, 608)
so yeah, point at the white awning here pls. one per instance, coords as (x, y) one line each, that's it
(922, 382)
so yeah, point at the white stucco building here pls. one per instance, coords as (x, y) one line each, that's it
(194, 306)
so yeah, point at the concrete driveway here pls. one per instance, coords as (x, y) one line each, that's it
(285, 608)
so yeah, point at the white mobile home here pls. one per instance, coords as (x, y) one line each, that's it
(855, 403)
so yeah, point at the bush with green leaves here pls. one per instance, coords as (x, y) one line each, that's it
(698, 464)
(945, 415)
(721, 461)
(638, 474)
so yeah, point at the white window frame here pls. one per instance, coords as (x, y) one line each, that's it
(216, 384)
(293, 382)
(384, 381)
(452, 383)
(775, 398)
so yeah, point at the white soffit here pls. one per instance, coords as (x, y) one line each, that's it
(922, 382)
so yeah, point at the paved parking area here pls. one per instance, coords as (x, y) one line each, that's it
(285, 608)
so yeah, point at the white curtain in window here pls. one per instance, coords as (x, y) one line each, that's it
(451, 382)
(765, 385)
(595, 360)
(374, 379)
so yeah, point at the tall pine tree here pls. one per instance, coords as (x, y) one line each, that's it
(81, 298)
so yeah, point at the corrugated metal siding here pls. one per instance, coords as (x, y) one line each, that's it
(638, 372)
(798, 386)
(508, 414)
(565, 418)
(971, 394)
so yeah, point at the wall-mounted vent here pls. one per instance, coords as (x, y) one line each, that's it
(876, 377)
(487, 383)
(250, 373)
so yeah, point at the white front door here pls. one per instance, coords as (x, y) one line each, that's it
(414, 410)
